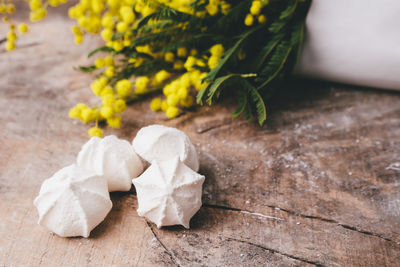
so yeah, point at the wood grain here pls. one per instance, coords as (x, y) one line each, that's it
(319, 184)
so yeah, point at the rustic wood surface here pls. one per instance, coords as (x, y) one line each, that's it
(319, 184)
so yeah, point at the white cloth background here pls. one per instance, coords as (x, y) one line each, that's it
(353, 41)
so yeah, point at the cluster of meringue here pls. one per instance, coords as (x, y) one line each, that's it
(76, 199)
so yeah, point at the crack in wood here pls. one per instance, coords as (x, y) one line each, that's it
(215, 126)
(162, 244)
(276, 251)
(42, 256)
(348, 227)
(242, 211)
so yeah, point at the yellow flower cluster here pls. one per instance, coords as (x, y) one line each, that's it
(118, 16)
(114, 20)
(178, 94)
(255, 12)
(113, 102)
(6, 9)
(216, 54)
(38, 11)
(108, 17)
(215, 6)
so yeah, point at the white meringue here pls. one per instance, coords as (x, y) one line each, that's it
(112, 157)
(169, 193)
(158, 142)
(73, 201)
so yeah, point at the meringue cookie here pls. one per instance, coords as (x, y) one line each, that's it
(169, 193)
(73, 202)
(158, 142)
(112, 157)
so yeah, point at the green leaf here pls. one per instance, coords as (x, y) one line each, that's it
(88, 69)
(228, 54)
(201, 95)
(258, 101)
(100, 49)
(276, 64)
(241, 96)
(288, 12)
(267, 49)
(216, 87)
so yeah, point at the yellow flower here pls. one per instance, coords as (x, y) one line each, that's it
(37, 15)
(87, 115)
(108, 100)
(78, 39)
(217, 50)
(107, 91)
(256, 7)
(10, 46)
(155, 104)
(164, 105)
(118, 45)
(23, 28)
(124, 88)
(147, 11)
(98, 6)
(122, 26)
(172, 100)
(99, 63)
(139, 7)
(225, 8)
(182, 93)
(106, 34)
(262, 19)
(127, 14)
(120, 106)
(107, 22)
(193, 52)
(141, 84)
(35, 5)
(178, 65)
(54, 3)
(75, 113)
(169, 57)
(127, 43)
(249, 20)
(213, 61)
(113, 3)
(181, 52)
(110, 71)
(109, 61)
(11, 36)
(114, 122)
(107, 112)
(103, 80)
(172, 112)
(97, 87)
(190, 62)
(95, 131)
(212, 9)
(161, 76)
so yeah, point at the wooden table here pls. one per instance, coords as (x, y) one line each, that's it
(319, 184)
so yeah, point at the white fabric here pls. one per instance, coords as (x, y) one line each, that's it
(353, 41)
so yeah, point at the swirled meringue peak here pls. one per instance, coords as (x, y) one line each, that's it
(112, 157)
(158, 142)
(73, 202)
(169, 193)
